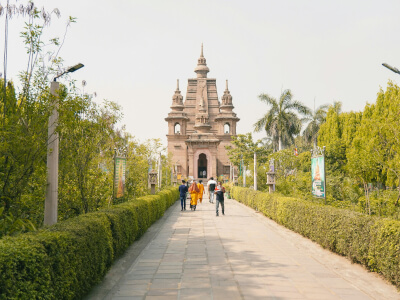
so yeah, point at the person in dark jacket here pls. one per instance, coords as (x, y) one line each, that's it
(219, 195)
(183, 189)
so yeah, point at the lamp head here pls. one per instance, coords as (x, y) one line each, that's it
(391, 68)
(74, 68)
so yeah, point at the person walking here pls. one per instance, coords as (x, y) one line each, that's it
(183, 189)
(211, 184)
(219, 193)
(201, 190)
(194, 193)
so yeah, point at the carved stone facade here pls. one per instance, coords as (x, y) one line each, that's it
(200, 127)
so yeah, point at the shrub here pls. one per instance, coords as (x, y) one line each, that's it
(66, 260)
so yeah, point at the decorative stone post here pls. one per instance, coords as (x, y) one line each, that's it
(271, 180)
(153, 181)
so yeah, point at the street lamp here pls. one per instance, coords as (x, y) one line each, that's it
(255, 171)
(51, 202)
(391, 68)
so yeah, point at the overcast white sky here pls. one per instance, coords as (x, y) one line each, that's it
(134, 51)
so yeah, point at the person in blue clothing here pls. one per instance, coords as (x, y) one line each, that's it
(183, 189)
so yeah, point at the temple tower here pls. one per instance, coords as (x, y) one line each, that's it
(200, 127)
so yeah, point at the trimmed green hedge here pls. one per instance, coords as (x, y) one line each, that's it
(66, 260)
(371, 241)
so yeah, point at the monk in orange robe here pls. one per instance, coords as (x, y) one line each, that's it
(194, 193)
(201, 190)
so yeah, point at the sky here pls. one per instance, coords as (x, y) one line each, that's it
(134, 51)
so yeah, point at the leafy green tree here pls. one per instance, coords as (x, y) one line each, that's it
(87, 139)
(137, 169)
(243, 147)
(25, 123)
(379, 136)
(361, 166)
(281, 122)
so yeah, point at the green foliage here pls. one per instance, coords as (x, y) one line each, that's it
(371, 241)
(293, 174)
(23, 123)
(9, 225)
(362, 154)
(87, 137)
(66, 260)
(281, 122)
(243, 149)
(317, 118)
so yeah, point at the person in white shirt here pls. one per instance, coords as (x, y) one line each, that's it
(211, 185)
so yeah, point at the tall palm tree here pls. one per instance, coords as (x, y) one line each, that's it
(316, 119)
(281, 122)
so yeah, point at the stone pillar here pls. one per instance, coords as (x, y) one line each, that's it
(153, 181)
(214, 161)
(51, 201)
(191, 163)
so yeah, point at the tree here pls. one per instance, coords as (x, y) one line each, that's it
(317, 118)
(244, 148)
(381, 136)
(87, 140)
(24, 115)
(281, 122)
(23, 135)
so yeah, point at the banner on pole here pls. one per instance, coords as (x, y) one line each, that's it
(318, 176)
(119, 176)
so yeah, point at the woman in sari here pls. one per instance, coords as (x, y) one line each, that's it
(194, 192)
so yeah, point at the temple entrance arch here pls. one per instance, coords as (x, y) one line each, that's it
(202, 166)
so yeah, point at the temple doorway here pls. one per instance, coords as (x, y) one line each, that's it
(202, 166)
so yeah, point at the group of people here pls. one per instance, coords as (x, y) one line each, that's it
(196, 191)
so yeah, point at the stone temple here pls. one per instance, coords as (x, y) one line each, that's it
(200, 127)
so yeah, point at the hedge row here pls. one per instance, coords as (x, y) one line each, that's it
(66, 260)
(371, 241)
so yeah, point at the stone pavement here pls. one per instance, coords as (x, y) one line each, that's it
(242, 255)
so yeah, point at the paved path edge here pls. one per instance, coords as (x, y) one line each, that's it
(122, 264)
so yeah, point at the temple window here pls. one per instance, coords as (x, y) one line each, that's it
(177, 128)
(227, 128)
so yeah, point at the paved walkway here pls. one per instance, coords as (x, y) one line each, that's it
(242, 255)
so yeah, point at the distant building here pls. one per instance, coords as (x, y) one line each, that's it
(200, 127)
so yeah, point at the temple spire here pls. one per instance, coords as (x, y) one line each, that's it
(201, 68)
(177, 99)
(226, 85)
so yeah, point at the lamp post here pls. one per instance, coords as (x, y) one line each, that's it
(244, 176)
(159, 172)
(391, 68)
(51, 202)
(255, 171)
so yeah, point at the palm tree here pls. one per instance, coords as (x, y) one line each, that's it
(316, 119)
(281, 122)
